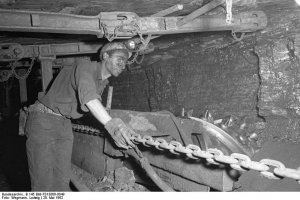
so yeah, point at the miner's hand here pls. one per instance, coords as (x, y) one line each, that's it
(120, 133)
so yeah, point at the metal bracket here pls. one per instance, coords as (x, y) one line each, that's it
(45, 52)
(11, 52)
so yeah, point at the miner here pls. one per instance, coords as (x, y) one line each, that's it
(75, 91)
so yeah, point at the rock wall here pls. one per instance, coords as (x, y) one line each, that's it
(186, 75)
(257, 78)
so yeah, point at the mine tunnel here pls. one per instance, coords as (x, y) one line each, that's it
(186, 96)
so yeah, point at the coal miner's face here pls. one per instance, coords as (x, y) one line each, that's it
(117, 62)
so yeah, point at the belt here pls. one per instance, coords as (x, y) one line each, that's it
(37, 106)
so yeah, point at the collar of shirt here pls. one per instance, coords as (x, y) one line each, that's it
(101, 74)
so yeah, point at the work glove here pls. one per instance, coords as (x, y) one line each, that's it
(120, 133)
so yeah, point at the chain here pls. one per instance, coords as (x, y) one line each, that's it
(14, 73)
(214, 156)
(26, 74)
(109, 37)
(86, 130)
(135, 60)
(136, 30)
(237, 161)
(146, 41)
(237, 39)
(228, 11)
(144, 45)
(7, 76)
(134, 57)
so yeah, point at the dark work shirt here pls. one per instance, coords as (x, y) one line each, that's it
(73, 87)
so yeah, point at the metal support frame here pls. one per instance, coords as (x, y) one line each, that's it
(211, 5)
(47, 72)
(50, 50)
(124, 25)
(53, 50)
(168, 11)
(23, 88)
(7, 100)
(7, 50)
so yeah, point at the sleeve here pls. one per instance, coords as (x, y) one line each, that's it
(85, 83)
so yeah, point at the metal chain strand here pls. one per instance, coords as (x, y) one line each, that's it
(214, 152)
(7, 76)
(274, 163)
(144, 45)
(236, 161)
(287, 172)
(193, 149)
(160, 142)
(241, 158)
(109, 37)
(134, 57)
(136, 30)
(13, 72)
(26, 74)
(228, 11)
(237, 39)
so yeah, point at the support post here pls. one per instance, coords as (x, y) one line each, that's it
(168, 11)
(47, 73)
(204, 9)
(7, 108)
(23, 88)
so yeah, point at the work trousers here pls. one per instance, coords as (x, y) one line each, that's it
(49, 149)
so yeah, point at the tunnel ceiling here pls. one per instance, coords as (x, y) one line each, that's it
(94, 7)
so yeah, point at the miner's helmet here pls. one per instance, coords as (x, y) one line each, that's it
(115, 46)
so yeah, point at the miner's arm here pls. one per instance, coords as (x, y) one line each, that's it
(118, 130)
(98, 111)
(90, 100)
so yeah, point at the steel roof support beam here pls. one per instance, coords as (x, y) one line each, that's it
(124, 25)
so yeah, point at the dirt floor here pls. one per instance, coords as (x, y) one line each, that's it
(14, 174)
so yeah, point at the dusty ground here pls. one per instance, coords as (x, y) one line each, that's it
(14, 174)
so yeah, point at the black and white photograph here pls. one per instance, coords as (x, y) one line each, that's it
(113, 98)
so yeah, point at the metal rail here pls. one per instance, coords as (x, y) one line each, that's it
(124, 25)
(15, 51)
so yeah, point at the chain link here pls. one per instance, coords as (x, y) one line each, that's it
(4, 77)
(237, 39)
(134, 57)
(136, 31)
(161, 142)
(26, 74)
(144, 45)
(228, 11)
(86, 129)
(107, 35)
(13, 72)
(273, 163)
(237, 161)
(240, 158)
(287, 172)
